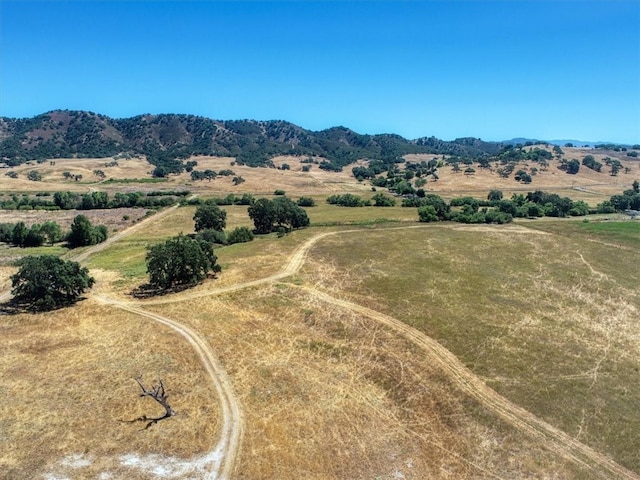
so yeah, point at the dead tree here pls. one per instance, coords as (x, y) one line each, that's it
(158, 393)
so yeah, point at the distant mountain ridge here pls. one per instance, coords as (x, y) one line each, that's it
(166, 139)
(560, 143)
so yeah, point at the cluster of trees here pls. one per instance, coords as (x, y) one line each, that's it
(432, 208)
(210, 223)
(628, 200)
(280, 214)
(91, 201)
(231, 199)
(82, 233)
(570, 166)
(19, 235)
(347, 200)
(590, 162)
(200, 175)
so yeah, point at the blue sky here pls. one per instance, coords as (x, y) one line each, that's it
(488, 69)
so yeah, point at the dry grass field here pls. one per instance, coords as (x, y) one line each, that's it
(543, 312)
(547, 318)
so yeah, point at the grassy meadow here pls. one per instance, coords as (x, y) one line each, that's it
(545, 317)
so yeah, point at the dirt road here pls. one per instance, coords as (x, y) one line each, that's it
(232, 420)
(224, 453)
(553, 438)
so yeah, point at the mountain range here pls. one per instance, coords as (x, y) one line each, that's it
(64, 133)
(167, 139)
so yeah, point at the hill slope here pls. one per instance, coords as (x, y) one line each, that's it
(63, 134)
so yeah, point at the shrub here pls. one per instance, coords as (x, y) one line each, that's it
(240, 235)
(306, 202)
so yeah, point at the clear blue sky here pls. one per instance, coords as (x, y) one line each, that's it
(489, 69)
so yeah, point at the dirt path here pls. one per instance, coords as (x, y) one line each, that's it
(226, 450)
(220, 462)
(553, 438)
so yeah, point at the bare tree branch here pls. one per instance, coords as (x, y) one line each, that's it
(158, 393)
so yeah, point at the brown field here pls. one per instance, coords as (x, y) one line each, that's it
(540, 318)
(53, 180)
(588, 185)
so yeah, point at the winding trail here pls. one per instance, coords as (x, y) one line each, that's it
(221, 460)
(553, 438)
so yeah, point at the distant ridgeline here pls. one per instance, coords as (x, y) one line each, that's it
(167, 140)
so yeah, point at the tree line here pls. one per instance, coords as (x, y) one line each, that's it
(91, 201)
(81, 233)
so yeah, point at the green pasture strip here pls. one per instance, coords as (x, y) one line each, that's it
(135, 180)
(324, 214)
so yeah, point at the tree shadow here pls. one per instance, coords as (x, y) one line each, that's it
(150, 420)
(14, 307)
(147, 290)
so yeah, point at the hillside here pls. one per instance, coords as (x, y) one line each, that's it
(163, 138)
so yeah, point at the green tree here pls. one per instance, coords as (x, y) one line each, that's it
(34, 176)
(263, 214)
(83, 233)
(210, 216)
(19, 234)
(34, 237)
(382, 200)
(180, 261)
(51, 232)
(289, 215)
(306, 202)
(279, 213)
(427, 213)
(240, 235)
(495, 195)
(573, 167)
(46, 282)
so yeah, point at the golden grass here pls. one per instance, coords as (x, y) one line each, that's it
(587, 185)
(68, 382)
(331, 395)
(264, 181)
(52, 178)
(547, 320)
